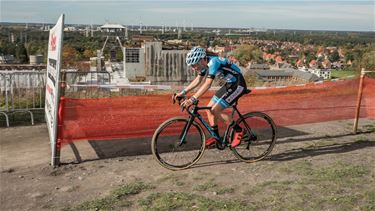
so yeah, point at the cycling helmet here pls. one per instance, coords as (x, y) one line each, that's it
(196, 54)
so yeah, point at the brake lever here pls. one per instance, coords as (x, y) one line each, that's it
(179, 100)
(174, 98)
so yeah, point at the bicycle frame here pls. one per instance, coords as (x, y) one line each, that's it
(194, 114)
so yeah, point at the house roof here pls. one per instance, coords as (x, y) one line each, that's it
(305, 75)
(259, 66)
(269, 73)
(278, 59)
(287, 73)
(112, 26)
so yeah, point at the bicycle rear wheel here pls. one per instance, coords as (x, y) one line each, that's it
(259, 137)
(170, 151)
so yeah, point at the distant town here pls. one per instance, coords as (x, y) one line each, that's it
(156, 54)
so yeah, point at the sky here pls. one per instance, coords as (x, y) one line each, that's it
(343, 15)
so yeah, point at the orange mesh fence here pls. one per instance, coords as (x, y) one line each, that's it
(139, 116)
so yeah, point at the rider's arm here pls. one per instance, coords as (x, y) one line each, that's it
(194, 83)
(203, 89)
(213, 65)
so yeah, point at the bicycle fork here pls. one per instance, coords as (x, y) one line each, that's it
(185, 130)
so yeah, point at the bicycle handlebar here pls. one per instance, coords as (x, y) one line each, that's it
(179, 99)
(182, 98)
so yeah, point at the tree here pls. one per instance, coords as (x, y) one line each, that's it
(70, 57)
(309, 57)
(368, 60)
(247, 53)
(88, 53)
(21, 53)
(334, 57)
(349, 57)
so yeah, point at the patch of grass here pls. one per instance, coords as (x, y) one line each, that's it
(344, 202)
(186, 201)
(369, 197)
(179, 183)
(117, 198)
(98, 204)
(198, 177)
(280, 195)
(131, 189)
(173, 178)
(205, 187)
(341, 172)
(225, 190)
(339, 185)
(211, 186)
(302, 167)
(361, 138)
(166, 177)
(269, 185)
(342, 73)
(370, 128)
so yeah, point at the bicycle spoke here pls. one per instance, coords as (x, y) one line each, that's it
(170, 151)
(259, 138)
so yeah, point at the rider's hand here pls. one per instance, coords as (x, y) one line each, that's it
(187, 103)
(181, 94)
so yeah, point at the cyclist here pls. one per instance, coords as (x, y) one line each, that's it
(209, 67)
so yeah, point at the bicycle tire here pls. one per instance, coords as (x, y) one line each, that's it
(262, 137)
(164, 139)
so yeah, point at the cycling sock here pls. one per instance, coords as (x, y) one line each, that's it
(215, 129)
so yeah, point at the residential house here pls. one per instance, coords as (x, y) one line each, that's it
(326, 64)
(313, 64)
(322, 73)
(285, 75)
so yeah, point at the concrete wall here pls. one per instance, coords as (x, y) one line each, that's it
(136, 69)
(166, 66)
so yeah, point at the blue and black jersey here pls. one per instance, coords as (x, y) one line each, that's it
(222, 68)
(235, 85)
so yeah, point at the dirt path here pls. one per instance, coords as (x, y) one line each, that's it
(316, 166)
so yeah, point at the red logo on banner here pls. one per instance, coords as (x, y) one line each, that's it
(49, 89)
(53, 42)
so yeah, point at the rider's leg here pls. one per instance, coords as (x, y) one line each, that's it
(216, 113)
(214, 127)
(212, 119)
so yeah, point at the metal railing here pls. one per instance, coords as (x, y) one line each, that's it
(86, 84)
(21, 92)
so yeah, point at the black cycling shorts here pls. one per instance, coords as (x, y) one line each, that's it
(230, 93)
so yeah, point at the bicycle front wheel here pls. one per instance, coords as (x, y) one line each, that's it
(174, 152)
(259, 137)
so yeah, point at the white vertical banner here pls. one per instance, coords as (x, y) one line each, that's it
(55, 45)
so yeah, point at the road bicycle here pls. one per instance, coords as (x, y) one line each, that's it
(179, 142)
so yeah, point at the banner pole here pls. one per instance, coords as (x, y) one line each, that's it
(59, 106)
(359, 99)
